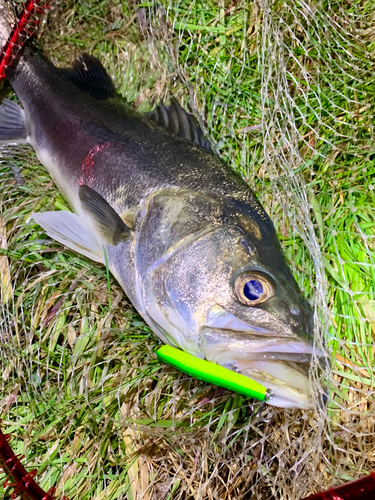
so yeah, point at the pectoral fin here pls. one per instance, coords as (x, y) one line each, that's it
(106, 220)
(67, 228)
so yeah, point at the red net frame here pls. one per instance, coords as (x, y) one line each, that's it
(17, 476)
(23, 28)
(362, 489)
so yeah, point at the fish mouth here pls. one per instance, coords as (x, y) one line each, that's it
(280, 363)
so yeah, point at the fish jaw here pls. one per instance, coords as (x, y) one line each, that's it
(280, 363)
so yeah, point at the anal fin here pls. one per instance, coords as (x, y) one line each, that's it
(13, 128)
(67, 228)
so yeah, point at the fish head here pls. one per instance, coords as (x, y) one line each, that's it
(227, 295)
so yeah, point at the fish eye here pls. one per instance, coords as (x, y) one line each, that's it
(253, 288)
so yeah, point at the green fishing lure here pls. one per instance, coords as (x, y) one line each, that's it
(212, 373)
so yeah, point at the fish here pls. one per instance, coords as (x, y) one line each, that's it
(183, 234)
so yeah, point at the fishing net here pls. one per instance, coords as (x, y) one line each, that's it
(285, 91)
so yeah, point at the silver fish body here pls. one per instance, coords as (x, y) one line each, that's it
(184, 235)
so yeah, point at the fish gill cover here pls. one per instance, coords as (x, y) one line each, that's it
(285, 91)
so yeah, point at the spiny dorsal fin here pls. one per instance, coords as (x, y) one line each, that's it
(108, 223)
(89, 75)
(179, 121)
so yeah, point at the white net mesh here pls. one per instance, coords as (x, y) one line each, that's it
(285, 91)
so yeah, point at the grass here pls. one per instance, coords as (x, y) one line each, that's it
(82, 392)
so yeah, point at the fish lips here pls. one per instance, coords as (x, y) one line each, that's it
(280, 363)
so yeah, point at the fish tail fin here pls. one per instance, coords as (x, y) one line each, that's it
(89, 75)
(13, 126)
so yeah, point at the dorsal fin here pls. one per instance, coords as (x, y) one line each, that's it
(89, 75)
(179, 121)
